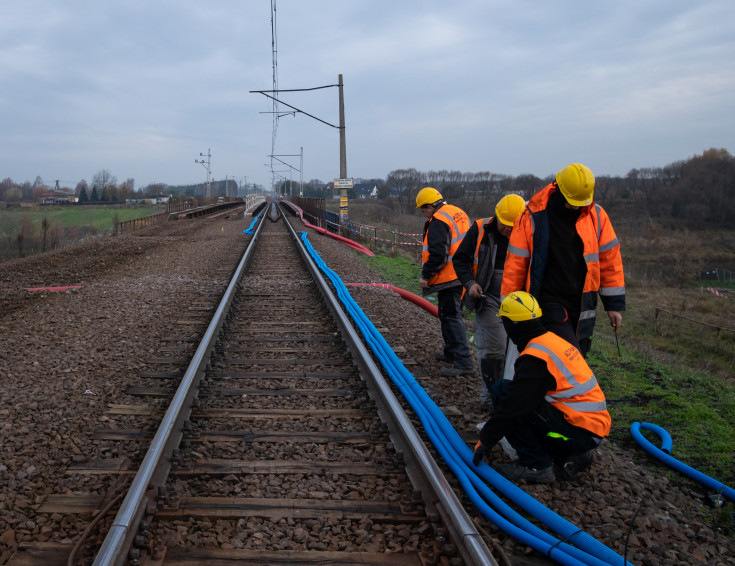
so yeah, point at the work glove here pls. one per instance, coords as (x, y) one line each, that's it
(480, 453)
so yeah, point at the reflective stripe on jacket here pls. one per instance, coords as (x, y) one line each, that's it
(458, 223)
(528, 253)
(577, 393)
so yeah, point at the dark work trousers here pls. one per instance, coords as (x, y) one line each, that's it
(563, 323)
(456, 347)
(545, 436)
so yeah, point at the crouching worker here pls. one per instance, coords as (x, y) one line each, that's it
(553, 412)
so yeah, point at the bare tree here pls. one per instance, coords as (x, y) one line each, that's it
(102, 179)
(5, 186)
(406, 182)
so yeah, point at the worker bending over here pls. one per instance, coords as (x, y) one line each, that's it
(553, 412)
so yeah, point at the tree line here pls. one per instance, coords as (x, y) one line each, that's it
(104, 187)
(689, 193)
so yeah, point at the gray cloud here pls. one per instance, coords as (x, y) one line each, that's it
(140, 88)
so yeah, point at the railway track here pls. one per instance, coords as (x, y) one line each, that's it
(281, 443)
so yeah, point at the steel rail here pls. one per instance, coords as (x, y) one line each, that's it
(157, 462)
(423, 469)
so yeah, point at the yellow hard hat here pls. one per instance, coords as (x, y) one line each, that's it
(519, 306)
(428, 195)
(577, 184)
(509, 208)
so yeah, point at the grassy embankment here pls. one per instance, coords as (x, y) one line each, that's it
(64, 225)
(671, 371)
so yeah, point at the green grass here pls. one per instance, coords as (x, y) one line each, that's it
(696, 408)
(401, 272)
(100, 217)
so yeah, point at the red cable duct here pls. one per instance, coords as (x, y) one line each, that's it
(415, 299)
(324, 231)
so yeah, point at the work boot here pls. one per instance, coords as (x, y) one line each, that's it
(486, 399)
(491, 370)
(516, 472)
(454, 372)
(441, 357)
(574, 464)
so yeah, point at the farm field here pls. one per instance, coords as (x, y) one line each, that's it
(22, 229)
(100, 217)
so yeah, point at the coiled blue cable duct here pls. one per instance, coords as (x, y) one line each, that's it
(459, 456)
(663, 455)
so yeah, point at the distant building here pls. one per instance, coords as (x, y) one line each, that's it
(59, 196)
(366, 190)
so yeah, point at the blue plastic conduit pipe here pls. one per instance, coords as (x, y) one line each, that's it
(252, 224)
(663, 455)
(458, 456)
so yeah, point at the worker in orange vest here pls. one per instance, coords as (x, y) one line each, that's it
(479, 265)
(445, 227)
(553, 413)
(564, 251)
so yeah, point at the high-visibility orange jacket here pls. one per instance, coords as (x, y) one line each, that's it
(528, 253)
(577, 393)
(440, 244)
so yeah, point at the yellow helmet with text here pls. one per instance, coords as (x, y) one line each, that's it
(519, 306)
(509, 208)
(428, 195)
(577, 183)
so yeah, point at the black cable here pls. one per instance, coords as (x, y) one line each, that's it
(565, 540)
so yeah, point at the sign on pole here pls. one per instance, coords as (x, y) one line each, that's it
(344, 183)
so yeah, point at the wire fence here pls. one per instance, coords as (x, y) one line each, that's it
(716, 274)
(695, 332)
(176, 207)
(372, 237)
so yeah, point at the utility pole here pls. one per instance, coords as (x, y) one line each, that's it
(343, 183)
(343, 216)
(206, 165)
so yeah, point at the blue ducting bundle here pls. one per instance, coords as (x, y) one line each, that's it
(574, 547)
(663, 455)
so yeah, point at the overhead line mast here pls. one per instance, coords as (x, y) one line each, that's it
(274, 52)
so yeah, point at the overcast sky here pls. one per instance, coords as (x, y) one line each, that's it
(142, 87)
